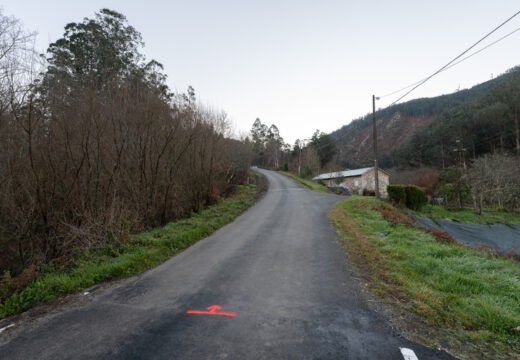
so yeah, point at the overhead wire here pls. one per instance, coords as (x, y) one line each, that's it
(450, 64)
(456, 63)
(456, 58)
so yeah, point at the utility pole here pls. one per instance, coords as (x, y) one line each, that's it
(300, 157)
(300, 162)
(376, 167)
(460, 150)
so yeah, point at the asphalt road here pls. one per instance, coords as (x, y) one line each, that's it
(279, 268)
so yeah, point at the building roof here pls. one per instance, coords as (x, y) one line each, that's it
(346, 173)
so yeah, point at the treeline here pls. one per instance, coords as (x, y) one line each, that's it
(94, 145)
(428, 106)
(488, 124)
(480, 119)
(477, 146)
(492, 180)
(305, 158)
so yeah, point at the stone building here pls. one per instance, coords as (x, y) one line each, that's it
(357, 180)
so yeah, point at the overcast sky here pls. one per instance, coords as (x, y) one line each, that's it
(302, 65)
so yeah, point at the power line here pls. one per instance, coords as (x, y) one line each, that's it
(456, 58)
(450, 64)
(458, 62)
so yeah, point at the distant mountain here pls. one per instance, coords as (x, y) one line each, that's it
(425, 131)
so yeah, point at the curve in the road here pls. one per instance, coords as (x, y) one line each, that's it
(278, 267)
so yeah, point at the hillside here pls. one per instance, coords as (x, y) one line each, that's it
(404, 129)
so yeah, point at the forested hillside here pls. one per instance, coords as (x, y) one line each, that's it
(431, 131)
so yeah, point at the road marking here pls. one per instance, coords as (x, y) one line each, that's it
(5, 328)
(408, 354)
(212, 311)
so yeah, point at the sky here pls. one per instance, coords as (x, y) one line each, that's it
(301, 65)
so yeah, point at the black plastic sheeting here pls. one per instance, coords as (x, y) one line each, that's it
(499, 237)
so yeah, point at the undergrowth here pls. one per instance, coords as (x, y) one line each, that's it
(129, 256)
(469, 215)
(472, 295)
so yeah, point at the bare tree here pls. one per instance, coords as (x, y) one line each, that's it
(495, 181)
(86, 159)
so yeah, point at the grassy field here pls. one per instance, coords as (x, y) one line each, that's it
(307, 183)
(461, 299)
(469, 215)
(126, 258)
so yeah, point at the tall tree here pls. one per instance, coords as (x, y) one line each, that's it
(324, 145)
(96, 49)
(274, 146)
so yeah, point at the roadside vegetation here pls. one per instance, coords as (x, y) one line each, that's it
(95, 146)
(129, 255)
(314, 186)
(451, 296)
(415, 199)
(469, 215)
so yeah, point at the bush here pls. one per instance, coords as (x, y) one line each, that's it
(415, 197)
(285, 167)
(410, 195)
(397, 194)
(307, 173)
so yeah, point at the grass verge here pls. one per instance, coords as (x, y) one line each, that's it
(307, 183)
(470, 216)
(461, 299)
(129, 257)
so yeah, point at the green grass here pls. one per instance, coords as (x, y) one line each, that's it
(470, 216)
(472, 296)
(138, 253)
(255, 172)
(307, 183)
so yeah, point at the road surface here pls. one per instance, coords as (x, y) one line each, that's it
(279, 269)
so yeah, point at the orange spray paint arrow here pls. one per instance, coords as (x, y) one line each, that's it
(212, 311)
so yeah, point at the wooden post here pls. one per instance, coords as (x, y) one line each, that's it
(376, 167)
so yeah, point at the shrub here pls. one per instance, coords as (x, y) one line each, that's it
(397, 194)
(415, 197)
(285, 167)
(307, 173)
(410, 195)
